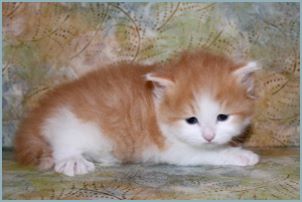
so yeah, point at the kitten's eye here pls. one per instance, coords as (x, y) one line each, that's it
(222, 117)
(192, 120)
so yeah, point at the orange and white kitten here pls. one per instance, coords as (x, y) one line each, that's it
(183, 113)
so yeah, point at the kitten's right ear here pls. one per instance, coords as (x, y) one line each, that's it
(161, 79)
(161, 82)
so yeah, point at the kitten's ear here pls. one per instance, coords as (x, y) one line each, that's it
(245, 76)
(161, 79)
(161, 82)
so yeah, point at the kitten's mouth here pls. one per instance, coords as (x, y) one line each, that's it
(211, 143)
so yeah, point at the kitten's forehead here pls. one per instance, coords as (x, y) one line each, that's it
(207, 107)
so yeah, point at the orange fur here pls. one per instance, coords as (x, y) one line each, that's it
(198, 71)
(120, 100)
(109, 91)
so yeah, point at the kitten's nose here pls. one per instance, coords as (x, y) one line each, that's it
(208, 135)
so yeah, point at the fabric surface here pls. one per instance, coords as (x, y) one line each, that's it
(47, 43)
(275, 177)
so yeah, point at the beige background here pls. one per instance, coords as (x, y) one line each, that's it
(47, 43)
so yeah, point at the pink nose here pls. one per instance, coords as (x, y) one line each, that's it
(208, 135)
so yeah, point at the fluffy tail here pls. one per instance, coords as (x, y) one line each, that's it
(31, 148)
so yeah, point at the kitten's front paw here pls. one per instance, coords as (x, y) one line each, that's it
(74, 166)
(241, 157)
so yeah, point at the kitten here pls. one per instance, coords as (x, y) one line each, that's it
(184, 113)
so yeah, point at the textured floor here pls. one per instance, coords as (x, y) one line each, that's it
(276, 177)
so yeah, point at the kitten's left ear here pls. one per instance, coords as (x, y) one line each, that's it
(245, 76)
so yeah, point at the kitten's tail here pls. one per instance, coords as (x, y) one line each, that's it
(31, 148)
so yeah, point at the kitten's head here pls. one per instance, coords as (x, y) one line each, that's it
(203, 98)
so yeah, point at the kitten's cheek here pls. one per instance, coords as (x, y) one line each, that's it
(225, 133)
(222, 138)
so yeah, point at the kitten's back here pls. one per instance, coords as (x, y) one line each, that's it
(117, 98)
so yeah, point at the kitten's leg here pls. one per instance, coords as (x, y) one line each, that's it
(222, 156)
(238, 156)
(68, 156)
(229, 156)
(233, 156)
(46, 159)
(72, 164)
(70, 138)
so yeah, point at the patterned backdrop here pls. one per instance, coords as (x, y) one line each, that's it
(47, 43)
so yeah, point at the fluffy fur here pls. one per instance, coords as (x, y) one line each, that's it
(135, 113)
